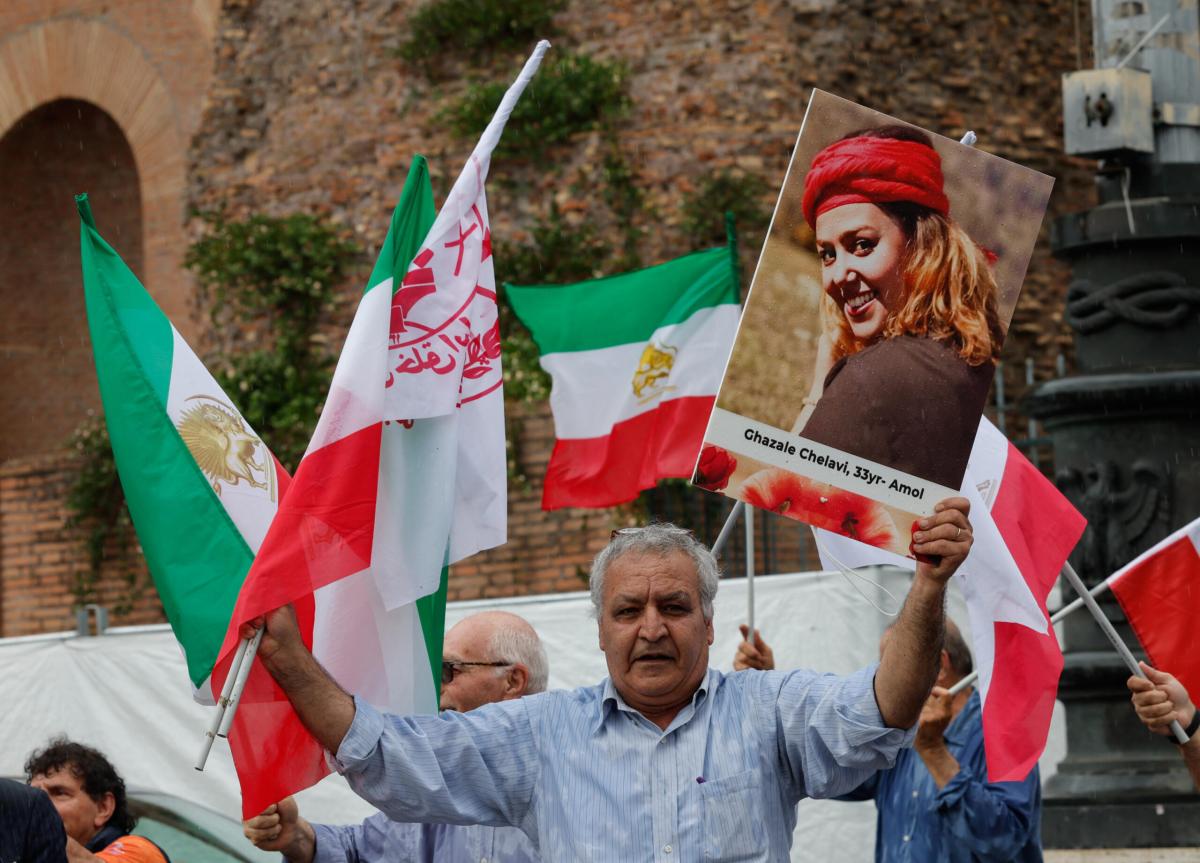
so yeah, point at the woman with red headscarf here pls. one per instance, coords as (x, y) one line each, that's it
(912, 331)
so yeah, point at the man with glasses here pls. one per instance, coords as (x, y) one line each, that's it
(487, 657)
(666, 759)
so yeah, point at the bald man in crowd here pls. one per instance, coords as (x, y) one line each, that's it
(487, 657)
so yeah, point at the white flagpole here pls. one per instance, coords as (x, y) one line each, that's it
(727, 528)
(239, 658)
(1113, 636)
(750, 571)
(243, 674)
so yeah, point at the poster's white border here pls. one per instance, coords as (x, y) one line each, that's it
(757, 440)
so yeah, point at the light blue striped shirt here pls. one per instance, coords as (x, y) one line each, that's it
(589, 778)
(381, 840)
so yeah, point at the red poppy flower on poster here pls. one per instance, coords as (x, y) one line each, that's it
(821, 505)
(714, 468)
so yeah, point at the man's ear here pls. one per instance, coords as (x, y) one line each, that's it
(516, 682)
(708, 626)
(105, 807)
(945, 670)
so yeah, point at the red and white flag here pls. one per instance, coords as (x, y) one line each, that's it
(1024, 531)
(405, 474)
(1159, 591)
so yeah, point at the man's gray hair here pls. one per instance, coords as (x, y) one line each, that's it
(658, 539)
(520, 644)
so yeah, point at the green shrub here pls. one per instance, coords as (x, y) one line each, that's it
(717, 193)
(559, 253)
(571, 93)
(475, 29)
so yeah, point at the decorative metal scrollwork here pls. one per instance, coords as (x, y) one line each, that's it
(1123, 518)
(1157, 299)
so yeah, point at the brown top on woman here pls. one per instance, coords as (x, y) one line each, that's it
(909, 403)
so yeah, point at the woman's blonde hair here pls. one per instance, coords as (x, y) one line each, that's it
(951, 293)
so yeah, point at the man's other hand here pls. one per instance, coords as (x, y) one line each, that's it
(280, 828)
(756, 654)
(1160, 700)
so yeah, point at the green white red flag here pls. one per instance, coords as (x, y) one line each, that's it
(201, 486)
(636, 361)
(405, 474)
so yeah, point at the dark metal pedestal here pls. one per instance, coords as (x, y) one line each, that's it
(1126, 435)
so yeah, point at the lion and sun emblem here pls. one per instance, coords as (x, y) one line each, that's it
(650, 379)
(224, 449)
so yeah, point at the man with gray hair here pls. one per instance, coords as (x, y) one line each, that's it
(487, 657)
(664, 760)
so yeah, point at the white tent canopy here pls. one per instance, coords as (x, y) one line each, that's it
(127, 694)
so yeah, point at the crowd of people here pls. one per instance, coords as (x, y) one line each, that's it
(666, 759)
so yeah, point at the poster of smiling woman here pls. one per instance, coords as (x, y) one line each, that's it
(873, 325)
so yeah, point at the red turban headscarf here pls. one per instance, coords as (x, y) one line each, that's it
(867, 170)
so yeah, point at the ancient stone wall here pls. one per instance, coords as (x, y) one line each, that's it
(310, 110)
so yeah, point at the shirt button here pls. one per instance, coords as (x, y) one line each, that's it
(907, 838)
(666, 849)
(915, 794)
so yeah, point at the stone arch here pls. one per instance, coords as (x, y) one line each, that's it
(46, 375)
(94, 62)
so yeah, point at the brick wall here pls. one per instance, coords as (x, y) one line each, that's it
(41, 557)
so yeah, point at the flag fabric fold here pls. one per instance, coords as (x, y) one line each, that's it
(1024, 529)
(201, 486)
(405, 474)
(1159, 591)
(635, 360)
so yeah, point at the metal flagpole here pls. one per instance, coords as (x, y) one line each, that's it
(1073, 605)
(239, 657)
(727, 528)
(242, 676)
(750, 572)
(1113, 636)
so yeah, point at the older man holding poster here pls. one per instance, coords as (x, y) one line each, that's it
(665, 760)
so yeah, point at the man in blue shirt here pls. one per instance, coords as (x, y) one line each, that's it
(666, 759)
(487, 657)
(936, 802)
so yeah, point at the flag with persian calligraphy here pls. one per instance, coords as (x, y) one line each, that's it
(405, 474)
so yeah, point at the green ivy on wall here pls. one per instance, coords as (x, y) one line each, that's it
(571, 93)
(445, 31)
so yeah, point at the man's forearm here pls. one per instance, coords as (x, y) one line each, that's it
(324, 707)
(942, 766)
(908, 667)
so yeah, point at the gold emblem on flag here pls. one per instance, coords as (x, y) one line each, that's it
(649, 381)
(223, 448)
